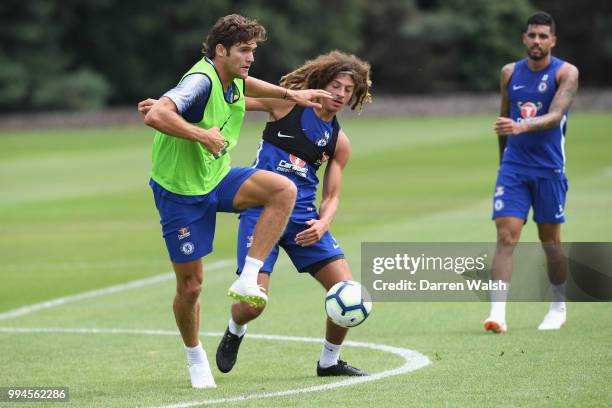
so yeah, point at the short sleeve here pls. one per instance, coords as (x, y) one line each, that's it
(190, 96)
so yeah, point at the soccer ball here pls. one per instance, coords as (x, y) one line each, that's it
(348, 304)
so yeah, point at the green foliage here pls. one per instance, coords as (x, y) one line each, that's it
(455, 45)
(39, 70)
(300, 30)
(491, 37)
(30, 50)
(83, 89)
(584, 36)
(73, 53)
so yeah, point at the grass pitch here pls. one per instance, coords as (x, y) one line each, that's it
(76, 215)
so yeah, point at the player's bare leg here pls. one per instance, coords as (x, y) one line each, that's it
(186, 303)
(277, 195)
(508, 234)
(550, 236)
(186, 307)
(242, 313)
(329, 363)
(328, 276)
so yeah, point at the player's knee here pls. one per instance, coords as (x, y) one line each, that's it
(189, 290)
(507, 238)
(284, 193)
(548, 240)
(552, 247)
(288, 190)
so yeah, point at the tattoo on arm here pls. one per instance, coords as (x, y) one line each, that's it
(560, 104)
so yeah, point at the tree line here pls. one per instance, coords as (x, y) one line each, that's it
(79, 54)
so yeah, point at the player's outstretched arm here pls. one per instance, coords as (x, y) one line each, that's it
(252, 104)
(257, 104)
(332, 184)
(568, 86)
(163, 115)
(277, 108)
(257, 88)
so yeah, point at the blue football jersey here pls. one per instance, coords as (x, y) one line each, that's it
(530, 93)
(302, 173)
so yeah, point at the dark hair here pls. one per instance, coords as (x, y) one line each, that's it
(232, 29)
(319, 72)
(541, 18)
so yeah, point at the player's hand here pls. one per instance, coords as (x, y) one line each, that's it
(307, 97)
(145, 106)
(506, 127)
(311, 235)
(213, 141)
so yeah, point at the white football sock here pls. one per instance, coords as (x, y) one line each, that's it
(498, 303)
(498, 311)
(199, 369)
(329, 354)
(558, 297)
(236, 329)
(196, 355)
(251, 269)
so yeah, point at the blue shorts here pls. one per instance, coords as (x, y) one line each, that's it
(305, 259)
(188, 222)
(515, 193)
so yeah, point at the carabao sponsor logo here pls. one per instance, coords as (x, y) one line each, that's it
(297, 161)
(529, 110)
(294, 165)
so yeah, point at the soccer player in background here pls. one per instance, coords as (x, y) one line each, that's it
(197, 123)
(536, 95)
(296, 142)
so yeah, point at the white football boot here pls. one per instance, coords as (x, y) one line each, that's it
(249, 292)
(555, 318)
(201, 376)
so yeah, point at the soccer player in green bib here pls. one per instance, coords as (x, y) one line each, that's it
(198, 123)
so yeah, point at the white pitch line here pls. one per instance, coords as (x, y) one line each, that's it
(104, 291)
(413, 360)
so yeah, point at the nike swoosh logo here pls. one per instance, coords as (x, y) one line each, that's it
(559, 215)
(517, 87)
(336, 246)
(282, 135)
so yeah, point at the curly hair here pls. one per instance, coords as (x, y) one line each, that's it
(232, 29)
(319, 72)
